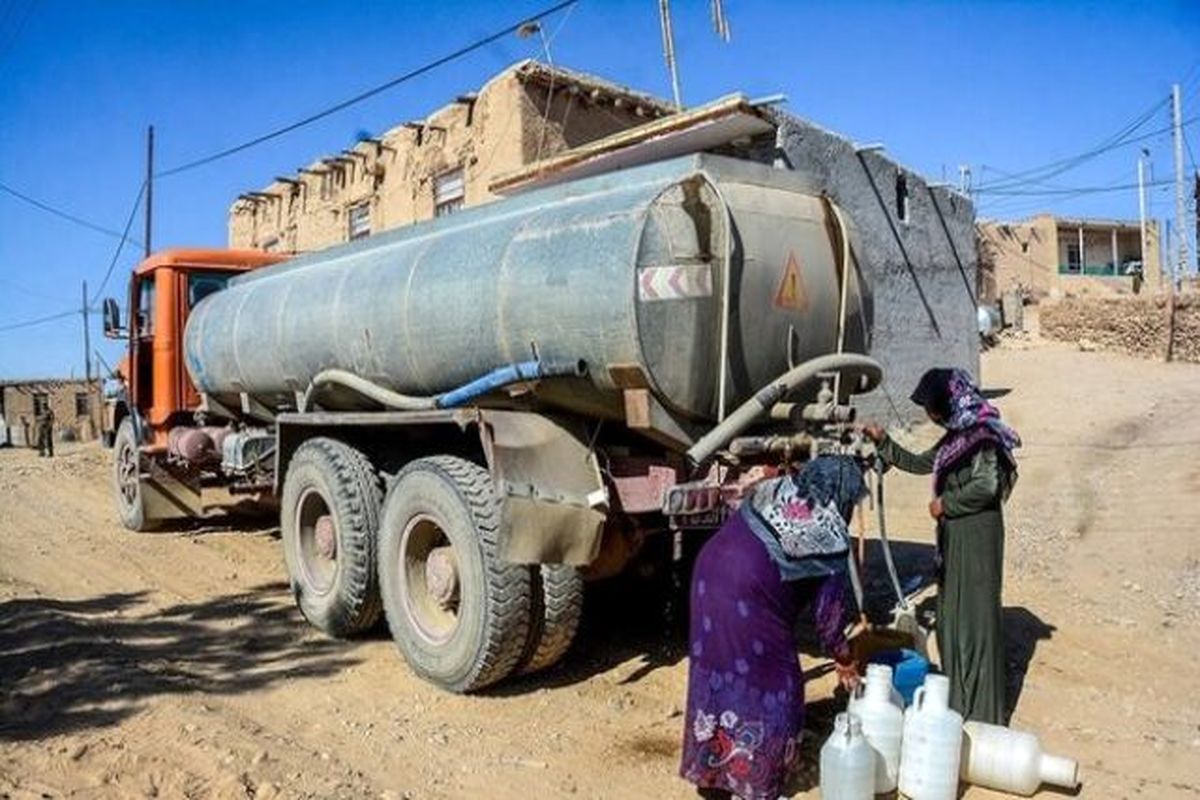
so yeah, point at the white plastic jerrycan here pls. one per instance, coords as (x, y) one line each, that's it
(847, 762)
(877, 703)
(932, 744)
(1011, 761)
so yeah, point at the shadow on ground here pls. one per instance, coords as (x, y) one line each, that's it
(70, 665)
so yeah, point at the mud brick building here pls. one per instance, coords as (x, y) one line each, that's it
(76, 405)
(430, 167)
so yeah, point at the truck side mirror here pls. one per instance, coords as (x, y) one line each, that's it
(112, 319)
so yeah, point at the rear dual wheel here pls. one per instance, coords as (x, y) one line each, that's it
(463, 617)
(329, 518)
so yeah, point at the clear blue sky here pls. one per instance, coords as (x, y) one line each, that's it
(1000, 86)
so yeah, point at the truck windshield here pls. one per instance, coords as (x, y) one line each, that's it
(201, 284)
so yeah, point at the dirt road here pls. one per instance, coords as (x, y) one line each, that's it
(174, 664)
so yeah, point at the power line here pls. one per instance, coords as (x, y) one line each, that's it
(1001, 187)
(15, 31)
(358, 98)
(29, 323)
(1072, 191)
(137, 201)
(1119, 139)
(62, 214)
(27, 290)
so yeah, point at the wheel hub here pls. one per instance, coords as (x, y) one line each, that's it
(441, 577)
(325, 536)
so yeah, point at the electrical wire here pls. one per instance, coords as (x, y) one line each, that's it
(63, 214)
(14, 34)
(1049, 170)
(358, 98)
(1073, 191)
(29, 323)
(137, 202)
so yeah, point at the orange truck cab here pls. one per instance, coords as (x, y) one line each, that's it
(158, 392)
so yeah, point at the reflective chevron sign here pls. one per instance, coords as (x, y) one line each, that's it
(674, 283)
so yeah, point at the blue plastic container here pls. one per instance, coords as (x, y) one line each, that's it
(909, 669)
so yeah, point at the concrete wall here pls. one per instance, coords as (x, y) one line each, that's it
(17, 419)
(526, 112)
(922, 271)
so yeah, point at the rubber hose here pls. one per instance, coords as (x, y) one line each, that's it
(367, 389)
(747, 413)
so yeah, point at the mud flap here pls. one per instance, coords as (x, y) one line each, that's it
(553, 500)
(166, 496)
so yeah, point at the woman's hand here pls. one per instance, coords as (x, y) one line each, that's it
(935, 508)
(874, 432)
(847, 673)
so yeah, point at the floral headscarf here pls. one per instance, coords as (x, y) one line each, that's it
(971, 421)
(802, 518)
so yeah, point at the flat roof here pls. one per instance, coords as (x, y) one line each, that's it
(698, 129)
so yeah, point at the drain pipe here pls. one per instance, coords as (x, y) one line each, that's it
(760, 404)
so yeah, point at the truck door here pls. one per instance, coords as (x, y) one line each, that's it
(141, 342)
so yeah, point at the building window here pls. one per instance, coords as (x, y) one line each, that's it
(82, 404)
(1074, 260)
(448, 192)
(41, 401)
(901, 197)
(358, 221)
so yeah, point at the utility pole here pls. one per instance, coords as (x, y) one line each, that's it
(149, 185)
(964, 179)
(1196, 197)
(664, 13)
(87, 342)
(1142, 206)
(1180, 228)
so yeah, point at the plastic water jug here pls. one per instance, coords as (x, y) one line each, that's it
(932, 744)
(1011, 761)
(880, 708)
(847, 762)
(909, 669)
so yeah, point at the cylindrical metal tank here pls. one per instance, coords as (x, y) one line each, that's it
(625, 271)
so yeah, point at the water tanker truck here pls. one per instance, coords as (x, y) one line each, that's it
(464, 420)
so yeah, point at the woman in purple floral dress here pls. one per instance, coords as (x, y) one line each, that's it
(785, 549)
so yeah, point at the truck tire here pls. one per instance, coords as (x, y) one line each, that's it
(557, 611)
(127, 479)
(329, 523)
(458, 613)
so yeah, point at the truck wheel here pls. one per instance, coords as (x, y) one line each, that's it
(127, 483)
(459, 614)
(329, 521)
(557, 611)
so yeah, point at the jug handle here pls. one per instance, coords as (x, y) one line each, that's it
(919, 697)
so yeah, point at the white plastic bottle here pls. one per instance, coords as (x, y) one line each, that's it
(847, 762)
(880, 707)
(1012, 761)
(932, 748)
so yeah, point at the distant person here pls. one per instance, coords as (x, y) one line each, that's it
(45, 432)
(973, 473)
(786, 548)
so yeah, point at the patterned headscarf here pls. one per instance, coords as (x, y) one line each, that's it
(802, 518)
(971, 421)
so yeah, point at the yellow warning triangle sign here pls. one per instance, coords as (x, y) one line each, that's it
(791, 294)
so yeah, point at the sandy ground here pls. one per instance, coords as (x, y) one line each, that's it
(174, 665)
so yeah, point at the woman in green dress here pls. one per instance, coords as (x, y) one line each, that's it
(973, 472)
